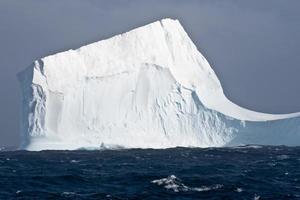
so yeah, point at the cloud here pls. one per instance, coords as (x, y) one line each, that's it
(252, 45)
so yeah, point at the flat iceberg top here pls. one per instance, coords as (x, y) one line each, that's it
(162, 43)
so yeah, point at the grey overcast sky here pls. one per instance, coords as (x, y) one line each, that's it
(252, 45)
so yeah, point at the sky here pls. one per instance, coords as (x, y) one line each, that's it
(253, 46)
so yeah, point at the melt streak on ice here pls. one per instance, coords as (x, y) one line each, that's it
(147, 88)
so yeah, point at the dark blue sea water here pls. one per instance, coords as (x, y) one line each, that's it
(252, 172)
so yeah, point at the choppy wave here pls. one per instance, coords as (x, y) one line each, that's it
(175, 184)
(189, 173)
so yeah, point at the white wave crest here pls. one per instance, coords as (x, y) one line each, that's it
(175, 184)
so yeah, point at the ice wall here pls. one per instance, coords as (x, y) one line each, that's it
(147, 88)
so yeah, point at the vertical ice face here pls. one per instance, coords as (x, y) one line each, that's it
(147, 88)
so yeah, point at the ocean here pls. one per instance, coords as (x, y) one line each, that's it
(247, 172)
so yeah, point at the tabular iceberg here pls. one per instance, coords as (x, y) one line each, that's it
(147, 88)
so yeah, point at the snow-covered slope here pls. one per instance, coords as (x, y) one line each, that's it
(147, 88)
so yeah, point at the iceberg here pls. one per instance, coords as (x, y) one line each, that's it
(146, 88)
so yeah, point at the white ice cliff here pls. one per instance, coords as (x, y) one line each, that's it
(147, 88)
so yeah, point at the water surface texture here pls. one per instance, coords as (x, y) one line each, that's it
(251, 172)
